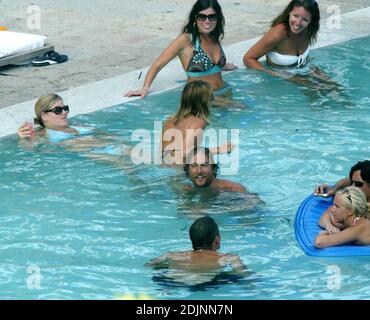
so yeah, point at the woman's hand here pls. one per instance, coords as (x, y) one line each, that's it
(273, 73)
(229, 67)
(26, 131)
(141, 92)
(331, 229)
(227, 147)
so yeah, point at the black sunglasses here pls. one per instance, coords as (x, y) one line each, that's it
(358, 184)
(348, 195)
(58, 109)
(203, 17)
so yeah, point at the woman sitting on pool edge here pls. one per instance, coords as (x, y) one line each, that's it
(288, 43)
(349, 211)
(199, 50)
(52, 115)
(183, 131)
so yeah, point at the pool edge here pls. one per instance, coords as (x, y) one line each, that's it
(109, 92)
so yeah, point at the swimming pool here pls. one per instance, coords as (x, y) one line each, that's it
(88, 227)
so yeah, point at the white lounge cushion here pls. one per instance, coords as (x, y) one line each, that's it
(16, 42)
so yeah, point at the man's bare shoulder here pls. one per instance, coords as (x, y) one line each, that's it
(227, 185)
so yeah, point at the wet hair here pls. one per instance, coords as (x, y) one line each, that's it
(203, 232)
(309, 5)
(354, 199)
(191, 27)
(207, 153)
(44, 103)
(364, 167)
(195, 101)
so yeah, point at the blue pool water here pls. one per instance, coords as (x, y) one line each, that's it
(89, 227)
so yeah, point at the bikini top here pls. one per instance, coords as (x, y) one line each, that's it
(57, 136)
(202, 65)
(288, 60)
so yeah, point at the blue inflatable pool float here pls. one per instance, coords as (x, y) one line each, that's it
(307, 227)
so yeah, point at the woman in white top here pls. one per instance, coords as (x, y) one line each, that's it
(288, 41)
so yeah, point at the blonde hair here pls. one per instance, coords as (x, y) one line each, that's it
(44, 103)
(195, 101)
(354, 199)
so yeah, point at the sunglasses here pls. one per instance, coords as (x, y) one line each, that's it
(358, 184)
(203, 17)
(58, 109)
(347, 195)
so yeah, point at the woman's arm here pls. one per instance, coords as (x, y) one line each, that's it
(29, 137)
(326, 223)
(226, 147)
(194, 137)
(268, 42)
(329, 240)
(167, 55)
(229, 67)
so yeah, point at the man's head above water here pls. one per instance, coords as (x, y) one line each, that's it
(200, 167)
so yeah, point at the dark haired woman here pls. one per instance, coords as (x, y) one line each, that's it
(288, 41)
(198, 48)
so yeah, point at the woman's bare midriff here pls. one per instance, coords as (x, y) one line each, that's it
(215, 80)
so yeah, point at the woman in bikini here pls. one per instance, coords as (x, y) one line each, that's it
(287, 48)
(52, 117)
(346, 221)
(183, 131)
(198, 48)
(287, 43)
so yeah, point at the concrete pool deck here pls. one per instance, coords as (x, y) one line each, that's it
(108, 92)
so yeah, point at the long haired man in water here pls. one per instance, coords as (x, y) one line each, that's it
(201, 168)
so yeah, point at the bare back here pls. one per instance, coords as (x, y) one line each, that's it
(178, 138)
(204, 261)
(364, 232)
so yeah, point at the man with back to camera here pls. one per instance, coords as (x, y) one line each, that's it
(203, 263)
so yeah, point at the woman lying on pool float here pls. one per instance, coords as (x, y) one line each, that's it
(346, 220)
